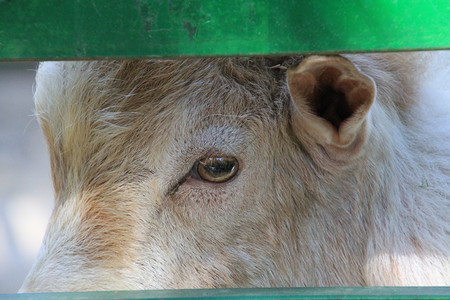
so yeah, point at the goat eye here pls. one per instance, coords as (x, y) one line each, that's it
(216, 169)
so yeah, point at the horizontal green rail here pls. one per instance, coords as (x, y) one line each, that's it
(273, 293)
(59, 29)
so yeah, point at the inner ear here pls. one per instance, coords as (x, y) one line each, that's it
(331, 98)
(330, 104)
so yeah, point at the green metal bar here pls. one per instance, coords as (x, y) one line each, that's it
(56, 29)
(274, 293)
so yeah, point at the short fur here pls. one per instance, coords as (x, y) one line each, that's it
(122, 135)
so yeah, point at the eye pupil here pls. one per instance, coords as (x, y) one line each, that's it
(218, 166)
(217, 169)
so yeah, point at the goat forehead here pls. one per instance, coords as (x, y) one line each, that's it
(199, 77)
(199, 96)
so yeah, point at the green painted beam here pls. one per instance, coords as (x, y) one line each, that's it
(274, 293)
(60, 29)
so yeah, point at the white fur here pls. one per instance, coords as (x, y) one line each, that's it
(122, 134)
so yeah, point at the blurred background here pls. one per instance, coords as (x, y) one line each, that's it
(26, 195)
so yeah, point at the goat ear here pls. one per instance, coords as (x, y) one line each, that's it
(330, 99)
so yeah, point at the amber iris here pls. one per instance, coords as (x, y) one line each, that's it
(216, 169)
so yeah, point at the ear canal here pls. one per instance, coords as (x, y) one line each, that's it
(330, 99)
